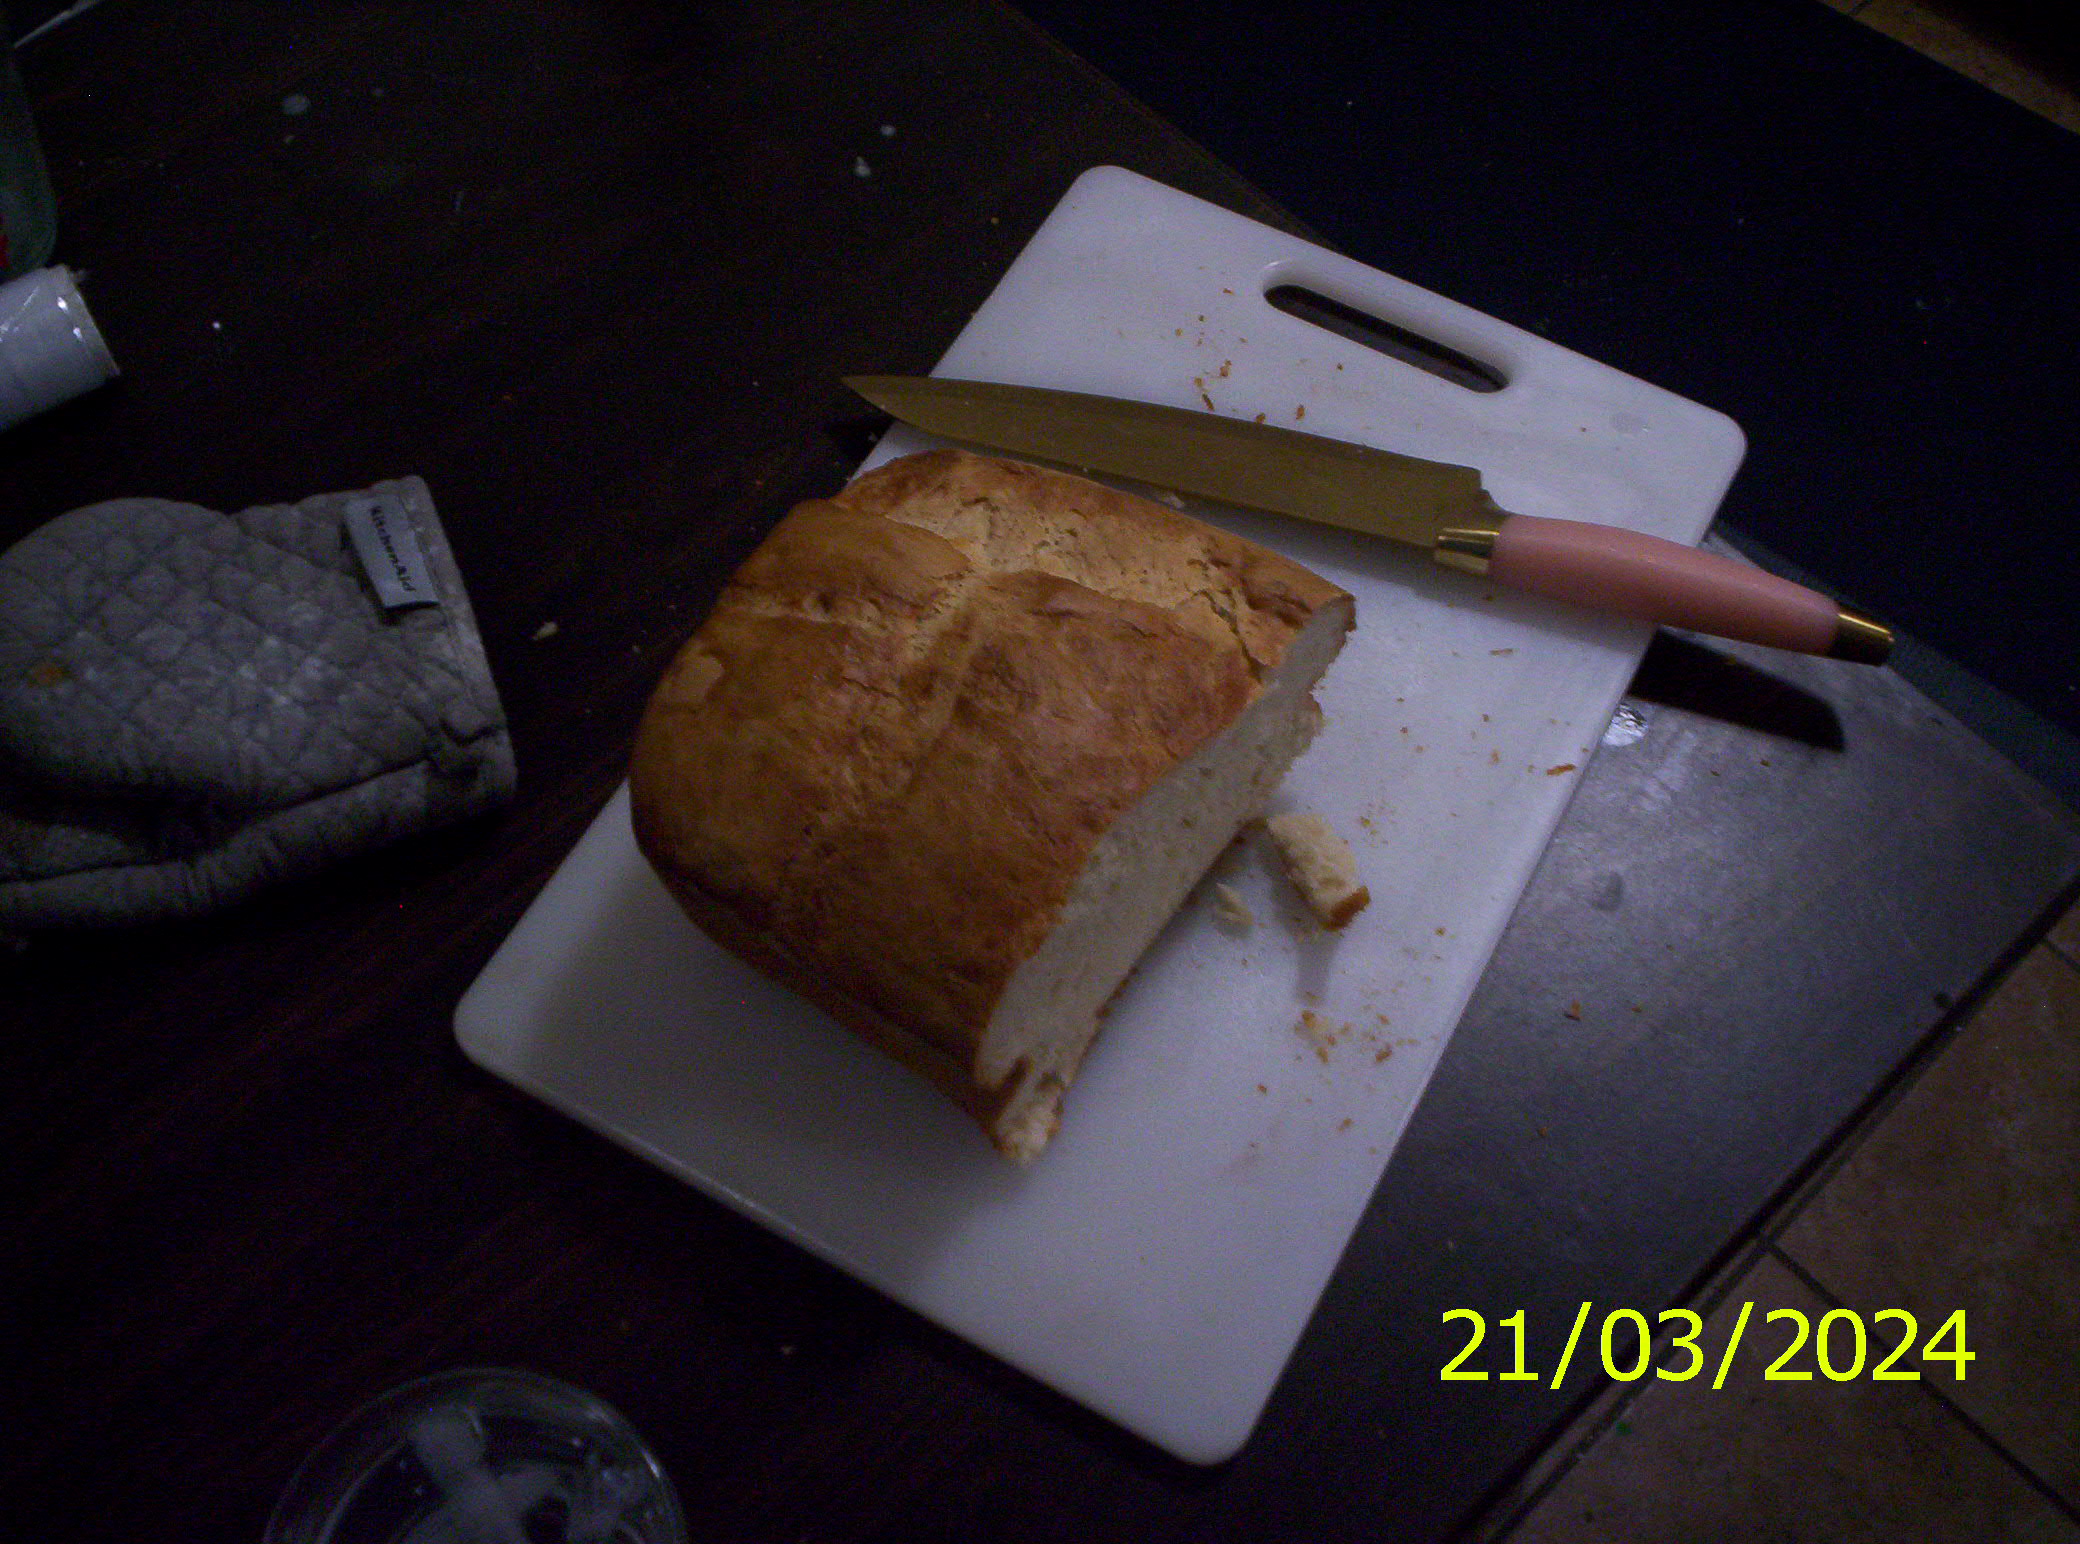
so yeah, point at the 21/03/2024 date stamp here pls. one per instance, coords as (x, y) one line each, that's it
(1841, 1345)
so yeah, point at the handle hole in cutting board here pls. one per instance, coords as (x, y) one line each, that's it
(1411, 348)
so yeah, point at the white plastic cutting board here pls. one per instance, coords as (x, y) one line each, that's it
(1161, 1259)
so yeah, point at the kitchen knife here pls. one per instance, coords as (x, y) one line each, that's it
(1432, 505)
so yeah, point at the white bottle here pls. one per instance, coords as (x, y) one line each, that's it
(50, 349)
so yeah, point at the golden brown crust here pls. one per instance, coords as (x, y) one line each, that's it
(878, 767)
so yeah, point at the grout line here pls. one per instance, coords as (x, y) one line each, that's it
(1949, 1404)
(1496, 1521)
(1514, 1502)
(1500, 1515)
(1958, 1016)
(1813, 1283)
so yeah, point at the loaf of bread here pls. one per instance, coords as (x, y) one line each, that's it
(954, 745)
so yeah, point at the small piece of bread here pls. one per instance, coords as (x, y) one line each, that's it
(955, 744)
(1230, 908)
(1319, 863)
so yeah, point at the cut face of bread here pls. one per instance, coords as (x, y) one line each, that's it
(1136, 877)
(955, 744)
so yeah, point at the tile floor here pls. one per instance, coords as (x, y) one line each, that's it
(1962, 1193)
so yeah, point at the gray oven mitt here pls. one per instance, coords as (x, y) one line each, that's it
(195, 705)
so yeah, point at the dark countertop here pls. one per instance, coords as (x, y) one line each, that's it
(1862, 256)
(592, 268)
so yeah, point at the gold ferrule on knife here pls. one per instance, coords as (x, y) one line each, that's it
(1467, 545)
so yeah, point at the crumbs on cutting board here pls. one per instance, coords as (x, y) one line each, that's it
(1230, 909)
(1324, 1036)
(1317, 1032)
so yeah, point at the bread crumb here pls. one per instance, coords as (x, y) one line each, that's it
(546, 630)
(1207, 400)
(1300, 411)
(1320, 865)
(1314, 1029)
(1574, 1010)
(1344, 1124)
(1565, 766)
(1224, 368)
(1231, 909)
(1174, 500)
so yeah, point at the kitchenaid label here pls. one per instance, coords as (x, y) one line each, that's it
(388, 547)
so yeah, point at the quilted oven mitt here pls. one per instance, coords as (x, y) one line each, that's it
(195, 705)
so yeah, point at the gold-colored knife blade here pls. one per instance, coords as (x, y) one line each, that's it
(1435, 506)
(1403, 498)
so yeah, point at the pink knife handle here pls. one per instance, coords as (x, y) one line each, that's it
(1608, 569)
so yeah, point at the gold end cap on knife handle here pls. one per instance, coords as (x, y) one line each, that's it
(1860, 637)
